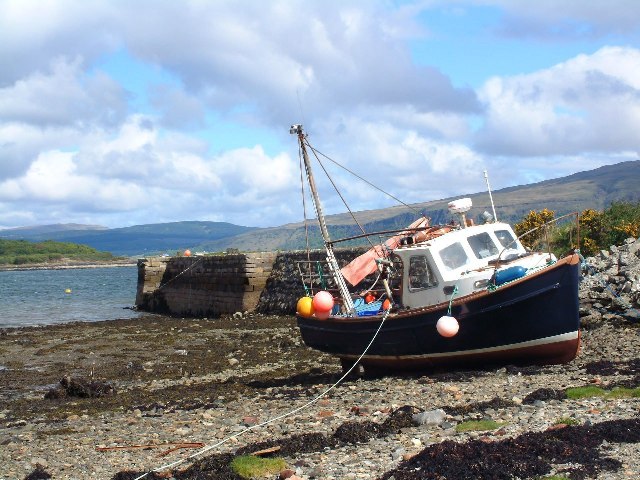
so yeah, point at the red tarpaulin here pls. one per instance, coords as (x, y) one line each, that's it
(365, 264)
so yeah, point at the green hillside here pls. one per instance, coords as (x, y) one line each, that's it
(23, 252)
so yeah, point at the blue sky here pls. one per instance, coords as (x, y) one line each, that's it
(119, 114)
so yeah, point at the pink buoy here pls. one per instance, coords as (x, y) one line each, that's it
(322, 302)
(447, 326)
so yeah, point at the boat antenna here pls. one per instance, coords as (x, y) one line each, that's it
(486, 177)
(331, 258)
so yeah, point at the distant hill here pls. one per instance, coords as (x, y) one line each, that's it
(595, 189)
(46, 230)
(139, 240)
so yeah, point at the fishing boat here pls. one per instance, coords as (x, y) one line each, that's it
(459, 293)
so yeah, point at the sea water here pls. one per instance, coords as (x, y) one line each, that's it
(44, 297)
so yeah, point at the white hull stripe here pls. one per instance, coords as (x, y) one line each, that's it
(531, 343)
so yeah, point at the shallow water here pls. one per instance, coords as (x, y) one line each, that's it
(37, 297)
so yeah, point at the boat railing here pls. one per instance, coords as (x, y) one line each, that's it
(316, 275)
(543, 236)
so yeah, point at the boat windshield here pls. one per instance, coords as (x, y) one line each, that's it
(482, 245)
(505, 238)
(454, 256)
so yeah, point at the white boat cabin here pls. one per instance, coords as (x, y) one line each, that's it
(464, 258)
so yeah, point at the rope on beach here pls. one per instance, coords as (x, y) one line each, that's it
(279, 417)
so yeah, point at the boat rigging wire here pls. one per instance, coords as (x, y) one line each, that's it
(279, 417)
(181, 273)
(338, 191)
(318, 152)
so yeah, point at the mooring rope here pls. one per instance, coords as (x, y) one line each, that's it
(453, 293)
(279, 417)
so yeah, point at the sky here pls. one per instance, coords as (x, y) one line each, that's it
(120, 113)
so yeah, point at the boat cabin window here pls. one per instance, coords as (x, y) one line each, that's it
(454, 256)
(420, 274)
(482, 245)
(505, 238)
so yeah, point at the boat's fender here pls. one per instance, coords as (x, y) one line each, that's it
(509, 274)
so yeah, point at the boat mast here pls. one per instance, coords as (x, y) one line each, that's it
(331, 259)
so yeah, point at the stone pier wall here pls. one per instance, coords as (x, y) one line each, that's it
(284, 286)
(202, 286)
(214, 285)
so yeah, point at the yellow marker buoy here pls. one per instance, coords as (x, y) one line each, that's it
(67, 290)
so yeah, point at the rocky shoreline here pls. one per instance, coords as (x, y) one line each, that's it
(68, 265)
(177, 383)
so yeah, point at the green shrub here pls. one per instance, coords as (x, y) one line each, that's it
(566, 421)
(598, 230)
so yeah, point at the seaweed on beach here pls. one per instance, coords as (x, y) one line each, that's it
(38, 474)
(608, 367)
(544, 394)
(81, 388)
(529, 455)
(495, 403)
(302, 443)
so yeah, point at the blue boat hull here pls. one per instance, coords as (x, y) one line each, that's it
(533, 319)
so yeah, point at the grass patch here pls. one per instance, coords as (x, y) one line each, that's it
(585, 392)
(566, 421)
(478, 426)
(592, 391)
(250, 466)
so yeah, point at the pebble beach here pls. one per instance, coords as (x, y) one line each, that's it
(188, 394)
(157, 404)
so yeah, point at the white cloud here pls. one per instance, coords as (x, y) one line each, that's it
(65, 95)
(36, 31)
(142, 175)
(73, 149)
(590, 103)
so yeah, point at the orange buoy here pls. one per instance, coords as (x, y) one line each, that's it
(369, 297)
(187, 253)
(305, 307)
(386, 305)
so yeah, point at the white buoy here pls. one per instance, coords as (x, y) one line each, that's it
(447, 326)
